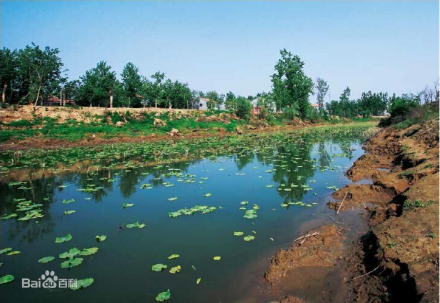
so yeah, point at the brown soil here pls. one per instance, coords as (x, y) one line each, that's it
(397, 259)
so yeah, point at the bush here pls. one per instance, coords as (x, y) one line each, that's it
(289, 113)
(244, 108)
(20, 123)
(402, 106)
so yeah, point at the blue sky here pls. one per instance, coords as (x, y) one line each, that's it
(222, 46)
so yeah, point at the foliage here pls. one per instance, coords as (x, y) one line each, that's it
(132, 85)
(291, 87)
(243, 108)
(321, 90)
(97, 85)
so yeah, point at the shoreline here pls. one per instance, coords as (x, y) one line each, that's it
(396, 258)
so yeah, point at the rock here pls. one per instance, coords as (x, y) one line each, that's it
(119, 124)
(159, 123)
(174, 132)
(239, 130)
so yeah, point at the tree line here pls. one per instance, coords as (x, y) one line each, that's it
(34, 74)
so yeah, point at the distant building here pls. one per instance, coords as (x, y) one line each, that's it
(202, 104)
(55, 101)
(315, 106)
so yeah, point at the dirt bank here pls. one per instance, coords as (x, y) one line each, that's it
(397, 259)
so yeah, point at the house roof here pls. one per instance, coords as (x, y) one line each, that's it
(314, 105)
(207, 100)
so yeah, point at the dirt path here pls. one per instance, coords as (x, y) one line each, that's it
(397, 258)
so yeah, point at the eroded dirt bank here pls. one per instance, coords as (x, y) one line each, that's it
(397, 258)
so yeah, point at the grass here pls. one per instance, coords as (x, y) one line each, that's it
(411, 205)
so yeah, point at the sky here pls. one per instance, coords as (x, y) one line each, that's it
(233, 46)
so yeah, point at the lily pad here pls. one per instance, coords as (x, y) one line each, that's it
(100, 238)
(46, 259)
(198, 281)
(5, 250)
(135, 225)
(89, 251)
(207, 195)
(72, 263)
(15, 252)
(248, 238)
(126, 205)
(158, 267)
(163, 296)
(69, 254)
(6, 279)
(172, 199)
(217, 258)
(82, 283)
(173, 256)
(63, 239)
(69, 212)
(175, 269)
(238, 233)
(7, 217)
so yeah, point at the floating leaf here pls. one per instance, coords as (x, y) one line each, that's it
(69, 212)
(100, 238)
(82, 283)
(217, 258)
(46, 259)
(158, 267)
(7, 217)
(72, 263)
(15, 252)
(63, 239)
(248, 238)
(68, 201)
(126, 205)
(5, 250)
(135, 225)
(238, 233)
(69, 254)
(6, 279)
(163, 296)
(172, 199)
(198, 281)
(175, 269)
(174, 256)
(207, 195)
(89, 251)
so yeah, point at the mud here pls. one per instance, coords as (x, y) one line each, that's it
(397, 258)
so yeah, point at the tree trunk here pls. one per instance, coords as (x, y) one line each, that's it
(169, 104)
(5, 86)
(38, 96)
(111, 101)
(155, 103)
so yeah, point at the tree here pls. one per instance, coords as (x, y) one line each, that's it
(244, 108)
(156, 87)
(132, 84)
(97, 86)
(229, 96)
(8, 71)
(322, 89)
(213, 97)
(39, 70)
(291, 87)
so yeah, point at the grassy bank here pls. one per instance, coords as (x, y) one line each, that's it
(78, 124)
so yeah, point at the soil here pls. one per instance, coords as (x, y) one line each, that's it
(95, 114)
(397, 258)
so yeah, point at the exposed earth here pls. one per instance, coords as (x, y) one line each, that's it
(396, 259)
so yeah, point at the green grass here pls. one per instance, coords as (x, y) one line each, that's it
(411, 205)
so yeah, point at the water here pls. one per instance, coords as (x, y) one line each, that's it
(122, 266)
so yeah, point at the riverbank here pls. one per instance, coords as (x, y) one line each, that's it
(30, 127)
(396, 258)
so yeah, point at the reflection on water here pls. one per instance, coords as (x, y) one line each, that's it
(267, 173)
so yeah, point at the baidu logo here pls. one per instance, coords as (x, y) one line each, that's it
(48, 280)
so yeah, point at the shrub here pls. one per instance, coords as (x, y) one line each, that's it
(244, 108)
(289, 113)
(20, 123)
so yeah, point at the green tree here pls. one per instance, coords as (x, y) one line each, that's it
(213, 97)
(97, 86)
(132, 84)
(156, 89)
(322, 89)
(8, 72)
(243, 109)
(39, 71)
(291, 87)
